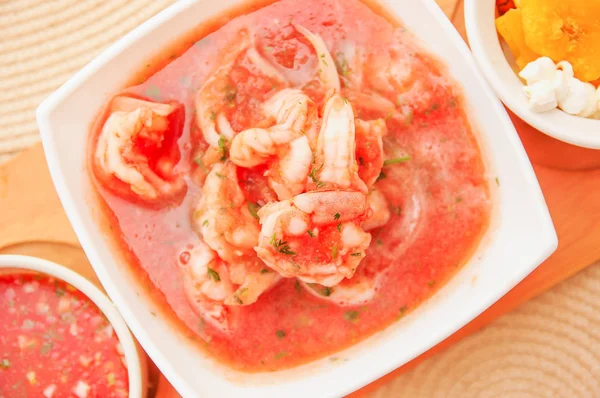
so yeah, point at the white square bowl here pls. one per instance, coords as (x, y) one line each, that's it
(520, 238)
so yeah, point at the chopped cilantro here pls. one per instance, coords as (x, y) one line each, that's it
(336, 216)
(351, 316)
(280, 334)
(323, 58)
(223, 147)
(409, 117)
(320, 184)
(401, 159)
(238, 300)
(212, 274)
(313, 173)
(253, 209)
(339, 227)
(264, 271)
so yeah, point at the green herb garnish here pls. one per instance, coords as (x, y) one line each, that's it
(339, 227)
(356, 254)
(334, 251)
(253, 209)
(214, 275)
(310, 233)
(280, 334)
(281, 354)
(382, 176)
(351, 316)
(336, 216)
(401, 159)
(223, 147)
(205, 223)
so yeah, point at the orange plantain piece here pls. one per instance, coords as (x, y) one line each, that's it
(565, 30)
(511, 29)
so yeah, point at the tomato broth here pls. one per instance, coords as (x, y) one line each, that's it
(55, 342)
(438, 193)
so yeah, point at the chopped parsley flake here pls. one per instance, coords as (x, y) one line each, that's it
(223, 147)
(212, 274)
(339, 227)
(264, 271)
(323, 58)
(221, 176)
(253, 209)
(280, 334)
(401, 159)
(356, 254)
(238, 300)
(320, 184)
(334, 251)
(322, 290)
(336, 216)
(205, 223)
(313, 174)
(351, 316)
(432, 108)
(310, 233)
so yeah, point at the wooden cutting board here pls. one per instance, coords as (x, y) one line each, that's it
(33, 222)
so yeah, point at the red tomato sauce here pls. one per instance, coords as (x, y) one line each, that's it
(439, 199)
(55, 342)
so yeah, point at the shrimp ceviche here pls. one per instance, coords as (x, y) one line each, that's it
(293, 182)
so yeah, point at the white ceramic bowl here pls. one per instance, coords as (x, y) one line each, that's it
(496, 63)
(521, 237)
(135, 359)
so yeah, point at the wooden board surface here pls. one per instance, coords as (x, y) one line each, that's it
(34, 223)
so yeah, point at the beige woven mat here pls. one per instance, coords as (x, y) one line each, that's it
(548, 348)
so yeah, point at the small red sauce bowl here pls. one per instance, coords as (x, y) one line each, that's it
(134, 358)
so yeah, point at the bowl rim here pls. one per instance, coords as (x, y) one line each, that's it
(136, 364)
(563, 130)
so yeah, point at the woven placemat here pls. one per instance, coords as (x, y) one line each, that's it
(550, 347)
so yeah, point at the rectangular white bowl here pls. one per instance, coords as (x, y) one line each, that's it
(521, 237)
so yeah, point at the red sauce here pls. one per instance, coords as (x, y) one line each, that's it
(439, 199)
(55, 342)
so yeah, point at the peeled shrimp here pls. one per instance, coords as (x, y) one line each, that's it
(214, 287)
(358, 290)
(369, 149)
(380, 211)
(222, 215)
(286, 145)
(315, 237)
(335, 162)
(134, 124)
(328, 74)
(217, 92)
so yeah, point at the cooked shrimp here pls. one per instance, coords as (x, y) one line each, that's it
(315, 237)
(327, 71)
(219, 92)
(135, 130)
(286, 145)
(212, 286)
(369, 149)
(222, 215)
(380, 211)
(358, 290)
(335, 161)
